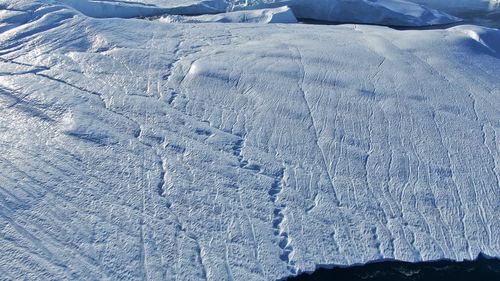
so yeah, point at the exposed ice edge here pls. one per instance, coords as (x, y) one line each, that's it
(110, 131)
(276, 15)
(333, 266)
(383, 12)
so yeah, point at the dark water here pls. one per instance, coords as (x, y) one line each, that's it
(481, 269)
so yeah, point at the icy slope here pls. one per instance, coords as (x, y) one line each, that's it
(384, 12)
(132, 149)
(143, 8)
(460, 4)
(277, 15)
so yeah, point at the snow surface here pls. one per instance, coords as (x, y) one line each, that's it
(277, 15)
(384, 12)
(460, 4)
(134, 149)
(143, 8)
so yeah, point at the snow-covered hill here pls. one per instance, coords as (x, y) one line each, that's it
(386, 12)
(133, 149)
(277, 15)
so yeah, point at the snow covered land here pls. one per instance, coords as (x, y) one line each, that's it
(156, 140)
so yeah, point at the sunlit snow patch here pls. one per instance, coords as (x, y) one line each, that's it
(139, 150)
(487, 37)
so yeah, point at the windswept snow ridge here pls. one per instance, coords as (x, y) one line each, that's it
(139, 150)
(487, 37)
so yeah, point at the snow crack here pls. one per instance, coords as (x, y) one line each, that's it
(311, 117)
